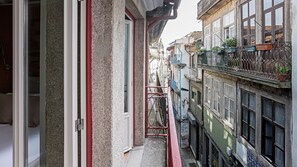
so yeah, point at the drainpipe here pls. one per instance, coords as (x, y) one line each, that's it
(180, 97)
(154, 20)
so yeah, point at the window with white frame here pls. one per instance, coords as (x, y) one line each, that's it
(216, 96)
(207, 89)
(207, 35)
(216, 33)
(228, 23)
(229, 103)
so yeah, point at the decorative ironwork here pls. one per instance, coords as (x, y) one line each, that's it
(273, 65)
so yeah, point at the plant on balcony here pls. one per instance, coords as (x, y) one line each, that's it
(230, 45)
(281, 71)
(217, 49)
(201, 55)
(263, 47)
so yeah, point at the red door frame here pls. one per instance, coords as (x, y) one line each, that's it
(89, 132)
(89, 83)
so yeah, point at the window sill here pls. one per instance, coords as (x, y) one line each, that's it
(227, 123)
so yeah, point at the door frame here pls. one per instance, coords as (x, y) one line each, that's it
(70, 83)
(130, 113)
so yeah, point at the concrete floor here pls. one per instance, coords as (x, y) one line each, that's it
(152, 154)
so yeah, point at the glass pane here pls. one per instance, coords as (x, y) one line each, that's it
(245, 11)
(252, 26)
(267, 4)
(33, 79)
(252, 119)
(244, 130)
(245, 114)
(278, 2)
(6, 94)
(268, 22)
(252, 136)
(245, 98)
(245, 28)
(268, 129)
(226, 99)
(252, 7)
(280, 114)
(126, 68)
(268, 147)
(252, 102)
(279, 137)
(279, 158)
(232, 106)
(279, 21)
(267, 108)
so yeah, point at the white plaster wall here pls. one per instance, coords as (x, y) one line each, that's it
(294, 83)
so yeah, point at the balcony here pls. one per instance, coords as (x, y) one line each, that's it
(160, 130)
(271, 67)
(207, 7)
(176, 60)
(193, 75)
(174, 85)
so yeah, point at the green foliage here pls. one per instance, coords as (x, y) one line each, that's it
(216, 49)
(230, 42)
(281, 69)
(198, 44)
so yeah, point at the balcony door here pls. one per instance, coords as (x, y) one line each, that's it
(128, 86)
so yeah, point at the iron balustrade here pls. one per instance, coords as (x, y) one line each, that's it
(248, 61)
(159, 100)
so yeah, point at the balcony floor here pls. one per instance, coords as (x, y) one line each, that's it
(152, 154)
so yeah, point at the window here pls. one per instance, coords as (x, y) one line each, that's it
(273, 20)
(248, 116)
(193, 61)
(229, 103)
(273, 131)
(216, 33)
(216, 96)
(207, 34)
(207, 91)
(193, 98)
(228, 23)
(199, 99)
(248, 15)
(214, 156)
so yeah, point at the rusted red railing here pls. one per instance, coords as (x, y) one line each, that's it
(158, 98)
(173, 154)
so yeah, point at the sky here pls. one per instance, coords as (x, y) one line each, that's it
(185, 22)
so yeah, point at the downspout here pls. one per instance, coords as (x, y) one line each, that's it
(154, 20)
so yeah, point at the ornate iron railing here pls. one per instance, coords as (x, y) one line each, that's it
(272, 64)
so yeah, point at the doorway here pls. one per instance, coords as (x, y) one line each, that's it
(128, 85)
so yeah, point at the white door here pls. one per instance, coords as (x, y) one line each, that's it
(29, 69)
(128, 86)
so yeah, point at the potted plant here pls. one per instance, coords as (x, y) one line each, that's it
(218, 56)
(201, 53)
(281, 72)
(230, 45)
(265, 46)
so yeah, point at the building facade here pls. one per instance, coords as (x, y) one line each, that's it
(247, 105)
(71, 74)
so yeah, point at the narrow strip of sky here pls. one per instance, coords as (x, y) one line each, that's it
(185, 22)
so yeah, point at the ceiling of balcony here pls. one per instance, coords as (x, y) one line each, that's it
(152, 4)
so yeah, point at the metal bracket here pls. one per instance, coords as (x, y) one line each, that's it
(79, 125)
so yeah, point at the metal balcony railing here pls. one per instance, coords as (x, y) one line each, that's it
(193, 74)
(159, 121)
(268, 65)
(175, 59)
